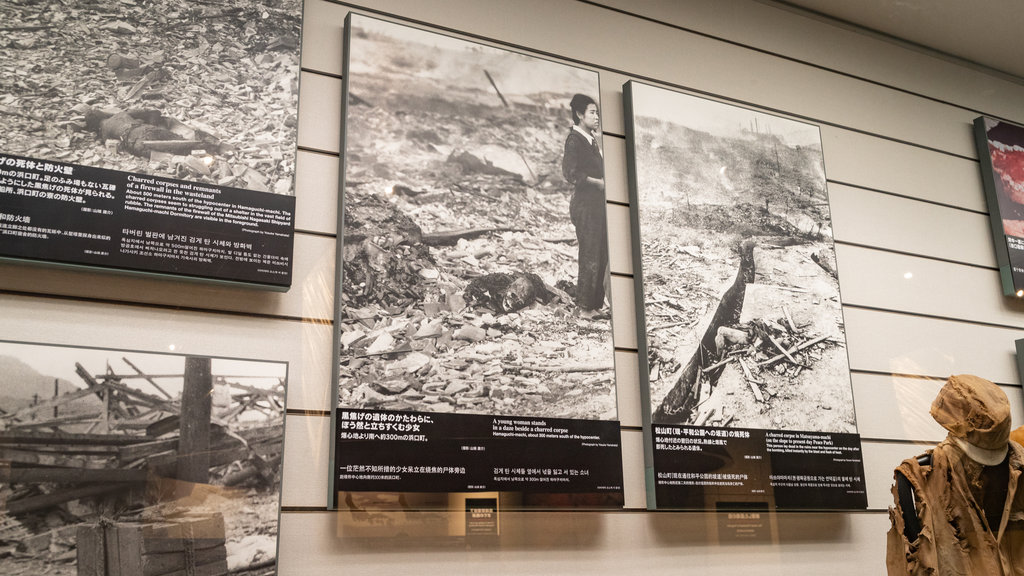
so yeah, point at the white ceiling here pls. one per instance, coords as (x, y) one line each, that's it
(989, 33)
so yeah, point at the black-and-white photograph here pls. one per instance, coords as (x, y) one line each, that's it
(744, 326)
(475, 274)
(125, 462)
(198, 91)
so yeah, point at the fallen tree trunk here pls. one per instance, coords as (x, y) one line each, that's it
(452, 237)
(679, 402)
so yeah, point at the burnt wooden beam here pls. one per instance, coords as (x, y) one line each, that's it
(70, 475)
(45, 501)
(65, 439)
(196, 407)
(147, 377)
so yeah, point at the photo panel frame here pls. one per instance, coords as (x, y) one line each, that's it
(473, 330)
(155, 139)
(1001, 156)
(745, 381)
(124, 461)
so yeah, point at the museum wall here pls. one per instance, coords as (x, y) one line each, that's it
(920, 288)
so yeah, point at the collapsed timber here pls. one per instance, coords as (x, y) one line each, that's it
(751, 364)
(108, 464)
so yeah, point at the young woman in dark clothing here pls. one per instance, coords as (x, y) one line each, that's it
(583, 167)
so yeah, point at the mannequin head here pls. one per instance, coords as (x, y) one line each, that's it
(976, 413)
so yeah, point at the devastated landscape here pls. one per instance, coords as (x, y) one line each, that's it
(743, 317)
(96, 477)
(459, 255)
(196, 91)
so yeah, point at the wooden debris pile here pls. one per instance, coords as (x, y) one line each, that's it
(450, 321)
(109, 449)
(769, 352)
(192, 544)
(448, 355)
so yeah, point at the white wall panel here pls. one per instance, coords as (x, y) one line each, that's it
(633, 469)
(766, 27)
(904, 344)
(323, 34)
(880, 279)
(623, 312)
(316, 191)
(894, 223)
(880, 459)
(306, 452)
(320, 112)
(616, 186)
(627, 387)
(620, 242)
(872, 162)
(304, 345)
(896, 407)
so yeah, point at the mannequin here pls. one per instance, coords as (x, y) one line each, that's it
(958, 510)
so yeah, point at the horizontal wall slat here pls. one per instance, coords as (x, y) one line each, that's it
(323, 34)
(896, 407)
(616, 186)
(309, 297)
(320, 112)
(872, 162)
(627, 387)
(878, 279)
(633, 482)
(316, 191)
(763, 26)
(611, 102)
(305, 346)
(623, 312)
(620, 242)
(306, 452)
(894, 223)
(739, 73)
(904, 344)
(880, 459)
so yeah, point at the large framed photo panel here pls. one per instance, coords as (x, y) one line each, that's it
(474, 348)
(153, 138)
(1001, 155)
(129, 462)
(746, 389)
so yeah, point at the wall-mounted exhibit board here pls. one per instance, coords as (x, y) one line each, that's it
(1000, 148)
(473, 330)
(746, 390)
(152, 139)
(896, 139)
(164, 462)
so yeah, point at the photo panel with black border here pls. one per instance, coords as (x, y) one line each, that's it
(473, 346)
(745, 380)
(1001, 156)
(128, 462)
(152, 138)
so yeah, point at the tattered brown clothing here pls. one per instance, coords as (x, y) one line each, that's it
(956, 539)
